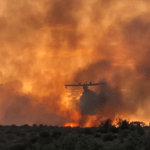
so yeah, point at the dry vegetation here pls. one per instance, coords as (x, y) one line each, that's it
(106, 136)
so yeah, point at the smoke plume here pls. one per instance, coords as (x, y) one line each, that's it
(46, 44)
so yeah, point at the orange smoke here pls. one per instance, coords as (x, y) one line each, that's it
(46, 44)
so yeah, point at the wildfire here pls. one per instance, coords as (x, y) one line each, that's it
(47, 44)
(71, 125)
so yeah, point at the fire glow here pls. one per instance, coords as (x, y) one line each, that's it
(71, 125)
(47, 44)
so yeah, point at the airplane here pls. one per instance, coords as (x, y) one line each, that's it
(85, 86)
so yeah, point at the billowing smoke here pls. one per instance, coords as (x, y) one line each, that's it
(46, 44)
(89, 101)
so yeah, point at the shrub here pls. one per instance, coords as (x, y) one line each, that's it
(41, 125)
(135, 143)
(115, 136)
(140, 130)
(17, 132)
(88, 131)
(102, 130)
(10, 137)
(13, 126)
(34, 125)
(29, 130)
(135, 123)
(106, 124)
(116, 146)
(3, 141)
(113, 129)
(8, 132)
(125, 133)
(81, 131)
(121, 140)
(33, 133)
(86, 144)
(44, 134)
(54, 146)
(19, 147)
(132, 128)
(22, 134)
(1, 126)
(44, 140)
(25, 126)
(38, 129)
(33, 139)
(21, 140)
(123, 124)
(97, 135)
(108, 137)
(147, 142)
(68, 142)
(56, 134)
(71, 142)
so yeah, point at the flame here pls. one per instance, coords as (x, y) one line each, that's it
(71, 125)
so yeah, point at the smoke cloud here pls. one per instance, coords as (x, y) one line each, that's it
(46, 44)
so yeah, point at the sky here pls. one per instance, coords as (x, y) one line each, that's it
(47, 44)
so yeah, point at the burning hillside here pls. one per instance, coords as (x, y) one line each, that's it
(46, 44)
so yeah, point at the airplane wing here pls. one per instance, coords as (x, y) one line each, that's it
(93, 84)
(74, 84)
(87, 84)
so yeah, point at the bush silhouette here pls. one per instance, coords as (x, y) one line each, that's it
(113, 129)
(123, 124)
(108, 137)
(135, 143)
(56, 134)
(72, 142)
(97, 135)
(10, 137)
(140, 130)
(16, 132)
(44, 140)
(68, 143)
(121, 140)
(80, 131)
(115, 136)
(102, 130)
(25, 126)
(13, 126)
(147, 143)
(86, 144)
(19, 147)
(22, 134)
(132, 128)
(88, 131)
(34, 125)
(106, 123)
(8, 132)
(44, 134)
(33, 139)
(3, 141)
(125, 133)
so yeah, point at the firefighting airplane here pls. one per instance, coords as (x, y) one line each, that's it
(85, 86)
